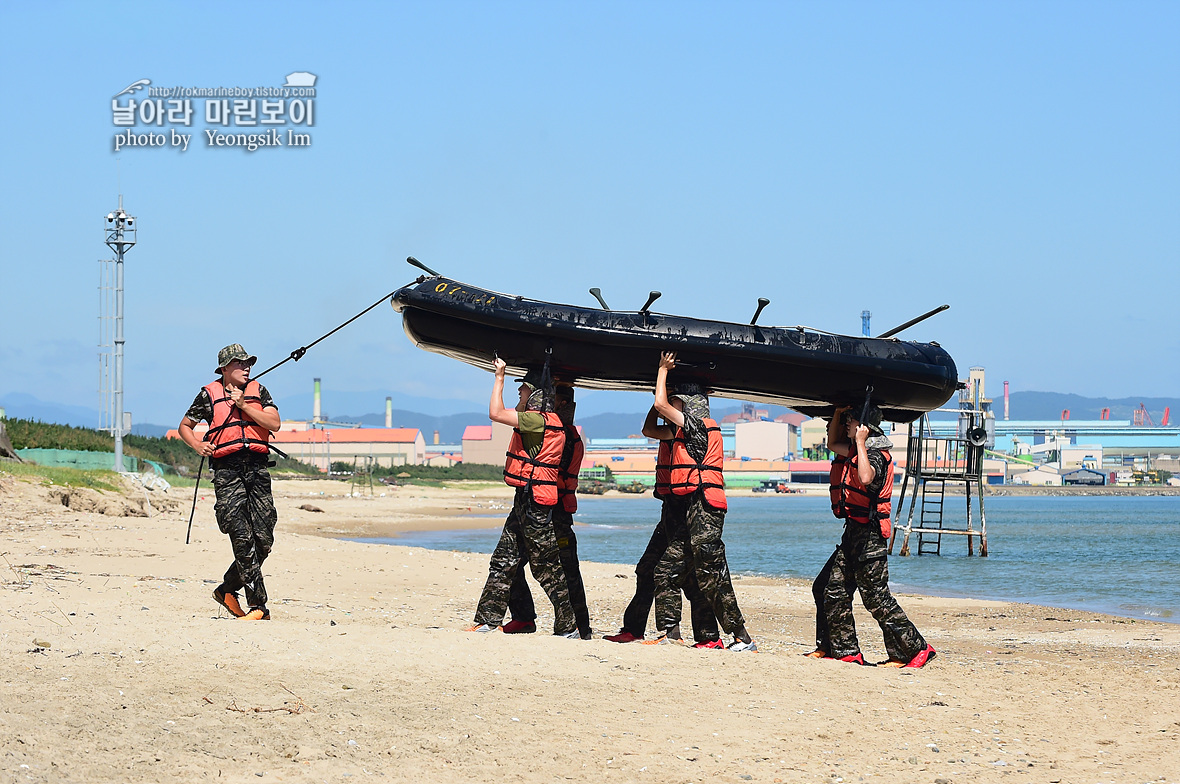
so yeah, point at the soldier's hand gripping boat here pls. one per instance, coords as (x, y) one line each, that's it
(594, 348)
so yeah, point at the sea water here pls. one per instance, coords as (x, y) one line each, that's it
(1118, 555)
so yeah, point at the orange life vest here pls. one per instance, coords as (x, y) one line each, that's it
(851, 500)
(688, 476)
(571, 464)
(836, 484)
(540, 473)
(663, 487)
(230, 431)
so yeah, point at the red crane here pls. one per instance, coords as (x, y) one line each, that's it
(1142, 418)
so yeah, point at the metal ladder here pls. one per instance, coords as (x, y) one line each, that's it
(362, 476)
(931, 517)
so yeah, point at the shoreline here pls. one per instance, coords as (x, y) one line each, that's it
(122, 669)
(460, 519)
(898, 588)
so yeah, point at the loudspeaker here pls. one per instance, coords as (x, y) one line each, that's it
(977, 436)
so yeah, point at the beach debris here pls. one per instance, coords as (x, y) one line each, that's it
(42, 643)
(299, 706)
(311, 508)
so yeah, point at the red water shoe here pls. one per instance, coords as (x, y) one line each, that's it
(623, 636)
(924, 657)
(857, 659)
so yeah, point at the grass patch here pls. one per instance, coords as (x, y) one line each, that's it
(63, 477)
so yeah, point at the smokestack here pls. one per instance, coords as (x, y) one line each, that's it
(315, 405)
(436, 438)
(389, 412)
(1005, 401)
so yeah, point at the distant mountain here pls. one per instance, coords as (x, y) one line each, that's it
(611, 425)
(339, 406)
(450, 428)
(1049, 405)
(623, 425)
(18, 405)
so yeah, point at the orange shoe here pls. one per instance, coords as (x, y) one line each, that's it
(256, 614)
(229, 601)
(663, 639)
(818, 653)
(891, 663)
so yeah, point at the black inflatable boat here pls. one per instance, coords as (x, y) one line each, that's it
(595, 348)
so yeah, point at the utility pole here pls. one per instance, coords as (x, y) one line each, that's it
(120, 237)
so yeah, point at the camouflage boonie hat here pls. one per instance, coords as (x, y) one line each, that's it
(872, 418)
(532, 378)
(696, 402)
(230, 353)
(684, 390)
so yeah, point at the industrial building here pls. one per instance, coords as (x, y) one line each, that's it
(385, 447)
(321, 446)
(486, 444)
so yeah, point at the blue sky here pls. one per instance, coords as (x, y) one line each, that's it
(1019, 161)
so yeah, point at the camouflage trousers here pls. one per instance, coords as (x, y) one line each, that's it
(695, 550)
(246, 511)
(520, 598)
(527, 538)
(835, 630)
(665, 595)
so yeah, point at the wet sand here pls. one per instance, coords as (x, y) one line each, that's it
(118, 667)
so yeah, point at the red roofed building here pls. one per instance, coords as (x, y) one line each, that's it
(486, 444)
(387, 446)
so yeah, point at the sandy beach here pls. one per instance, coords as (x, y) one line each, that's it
(119, 667)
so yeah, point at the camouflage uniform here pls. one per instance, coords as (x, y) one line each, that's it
(675, 567)
(860, 562)
(520, 598)
(665, 595)
(244, 508)
(527, 538)
(695, 546)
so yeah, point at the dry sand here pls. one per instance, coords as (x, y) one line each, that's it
(118, 667)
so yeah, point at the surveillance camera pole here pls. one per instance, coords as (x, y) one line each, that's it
(120, 237)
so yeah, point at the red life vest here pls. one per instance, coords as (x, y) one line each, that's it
(230, 431)
(540, 473)
(571, 464)
(663, 487)
(688, 476)
(851, 500)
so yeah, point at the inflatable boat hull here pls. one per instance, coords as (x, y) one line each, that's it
(602, 349)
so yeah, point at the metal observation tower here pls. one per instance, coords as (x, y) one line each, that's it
(119, 235)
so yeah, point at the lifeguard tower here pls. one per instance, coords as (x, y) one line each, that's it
(933, 461)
